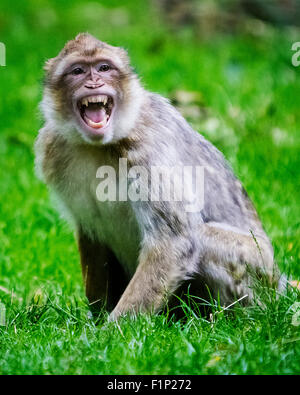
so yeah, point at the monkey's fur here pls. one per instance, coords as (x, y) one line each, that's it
(134, 255)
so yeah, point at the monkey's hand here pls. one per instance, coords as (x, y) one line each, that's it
(163, 265)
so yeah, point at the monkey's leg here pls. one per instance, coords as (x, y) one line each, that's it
(230, 260)
(103, 275)
(163, 265)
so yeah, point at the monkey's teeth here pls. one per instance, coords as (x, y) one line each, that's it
(100, 99)
(96, 125)
(94, 99)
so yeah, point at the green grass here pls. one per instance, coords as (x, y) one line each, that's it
(250, 98)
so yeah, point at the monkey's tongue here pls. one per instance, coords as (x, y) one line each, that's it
(95, 117)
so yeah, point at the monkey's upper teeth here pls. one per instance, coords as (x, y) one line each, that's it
(103, 99)
(94, 99)
(84, 102)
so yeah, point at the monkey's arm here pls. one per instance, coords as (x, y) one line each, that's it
(99, 267)
(163, 265)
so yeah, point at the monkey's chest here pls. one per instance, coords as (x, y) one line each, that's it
(112, 222)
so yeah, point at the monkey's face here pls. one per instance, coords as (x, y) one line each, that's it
(90, 87)
(94, 95)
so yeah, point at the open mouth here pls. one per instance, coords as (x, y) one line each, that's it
(96, 110)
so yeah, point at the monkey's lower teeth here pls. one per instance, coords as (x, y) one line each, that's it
(95, 125)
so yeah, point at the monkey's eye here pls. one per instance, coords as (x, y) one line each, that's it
(77, 71)
(104, 67)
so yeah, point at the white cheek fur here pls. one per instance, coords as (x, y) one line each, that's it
(122, 122)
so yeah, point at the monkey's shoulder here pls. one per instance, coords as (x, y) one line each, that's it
(47, 152)
(175, 139)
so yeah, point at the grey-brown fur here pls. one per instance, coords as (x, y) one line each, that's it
(159, 245)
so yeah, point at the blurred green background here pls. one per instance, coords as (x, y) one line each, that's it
(225, 64)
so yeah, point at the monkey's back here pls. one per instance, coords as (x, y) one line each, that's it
(174, 142)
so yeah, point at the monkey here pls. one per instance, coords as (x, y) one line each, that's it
(136, 254)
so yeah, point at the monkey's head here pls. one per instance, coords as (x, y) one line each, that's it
(91, 93)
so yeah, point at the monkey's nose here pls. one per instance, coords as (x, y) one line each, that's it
(93, 85)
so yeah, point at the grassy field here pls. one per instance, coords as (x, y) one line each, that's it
(248, 107)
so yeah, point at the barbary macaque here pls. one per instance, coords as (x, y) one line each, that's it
(137, 253)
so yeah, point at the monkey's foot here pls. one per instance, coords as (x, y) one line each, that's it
(295, 284)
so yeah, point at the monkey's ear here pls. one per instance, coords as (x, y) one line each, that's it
(49, 64)
(124, 56)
